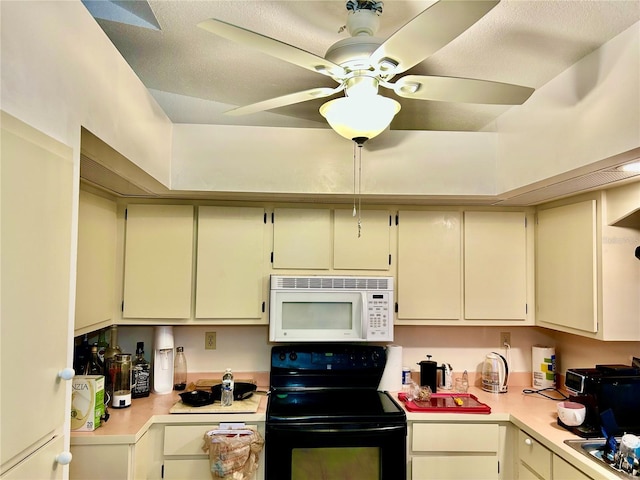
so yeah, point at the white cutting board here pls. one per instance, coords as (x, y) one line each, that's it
(249, 405)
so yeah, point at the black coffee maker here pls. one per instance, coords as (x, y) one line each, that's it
(614, 387)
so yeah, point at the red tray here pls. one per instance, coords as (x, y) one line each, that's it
(443, 402)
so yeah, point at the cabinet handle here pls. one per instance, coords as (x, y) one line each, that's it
(67, 374)
(64, 458)
(528, 442)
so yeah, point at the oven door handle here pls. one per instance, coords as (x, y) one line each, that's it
(377, 430)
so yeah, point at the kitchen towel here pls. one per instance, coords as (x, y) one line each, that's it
(391, 380)
(543, 367)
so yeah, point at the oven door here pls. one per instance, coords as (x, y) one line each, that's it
(332, 451)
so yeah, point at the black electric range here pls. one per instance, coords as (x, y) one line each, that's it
(325, 409)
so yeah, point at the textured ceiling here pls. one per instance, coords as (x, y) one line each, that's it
(196, 76)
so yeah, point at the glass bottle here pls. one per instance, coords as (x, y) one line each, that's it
(227, 388)
(112, 349)
(141, 374)
(109, 356)
(180, 370)
(82, 355)
(102, 346)
(93, 365)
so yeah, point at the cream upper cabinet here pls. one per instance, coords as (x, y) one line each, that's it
(364, 248)
(587, 274)
(302, 238)
(158, 261)
(37, 197)
(495, 266)
(566, 266)
(97, 241)
(230, 262)
(429, 265)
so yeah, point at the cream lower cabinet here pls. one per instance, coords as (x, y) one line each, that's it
(184, 457)
(141, 460)
(455, 451)
(537, 462)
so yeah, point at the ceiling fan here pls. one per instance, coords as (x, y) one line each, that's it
(362, 62)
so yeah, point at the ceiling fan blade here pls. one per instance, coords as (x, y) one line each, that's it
(430, 31)
(290, 99)
(463, 90)
(273, 47)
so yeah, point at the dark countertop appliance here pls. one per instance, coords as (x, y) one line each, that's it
(326, 418)
(615, 387)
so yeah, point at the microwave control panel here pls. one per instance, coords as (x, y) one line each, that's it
(378, 311)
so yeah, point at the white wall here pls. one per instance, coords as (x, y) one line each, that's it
(298, 160)
(59, 72)
(586, 114)
(246, 348)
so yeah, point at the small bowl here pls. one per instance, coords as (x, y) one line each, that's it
(572, 414)
(197, 398)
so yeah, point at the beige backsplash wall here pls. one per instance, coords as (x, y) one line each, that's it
(247, 349)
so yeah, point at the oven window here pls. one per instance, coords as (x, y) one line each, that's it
(317, 315)
(361, 463)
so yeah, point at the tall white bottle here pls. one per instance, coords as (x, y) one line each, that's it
(163, 360)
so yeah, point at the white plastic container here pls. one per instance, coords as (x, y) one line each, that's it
(163, 360)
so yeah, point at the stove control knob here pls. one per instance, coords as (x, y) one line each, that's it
(282, 356)
(375, 356)
(293, 356)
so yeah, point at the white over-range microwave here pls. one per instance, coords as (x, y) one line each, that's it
(331, 309)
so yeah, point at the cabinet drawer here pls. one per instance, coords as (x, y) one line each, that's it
(455, 437)
(454, 467)
(193, 469)
(185, 439)
(534, 455)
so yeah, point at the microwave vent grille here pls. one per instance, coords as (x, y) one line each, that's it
(332, 283)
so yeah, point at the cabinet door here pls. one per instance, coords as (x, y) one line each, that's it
(37, 193)
(566, 289)
(41, 465)
(454, 467)
(100, 462)
(95, 283)
(302, 238)
(230, 262)
(495, 266)
(429, 265)
(158, 261)
(366, 248)
(563, 470)
(534, 455)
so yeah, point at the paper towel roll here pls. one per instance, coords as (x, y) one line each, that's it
(543, 367)
(392, 376)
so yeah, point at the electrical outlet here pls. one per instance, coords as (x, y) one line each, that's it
(210, 341)
(505, 337)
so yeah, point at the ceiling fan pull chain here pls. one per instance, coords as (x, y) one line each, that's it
(359, 190)
(354, 179)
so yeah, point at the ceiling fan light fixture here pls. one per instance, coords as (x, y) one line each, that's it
(360, 117)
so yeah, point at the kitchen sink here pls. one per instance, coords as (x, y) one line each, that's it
(593, 448)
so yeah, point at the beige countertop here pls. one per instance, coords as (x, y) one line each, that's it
(532, 413)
